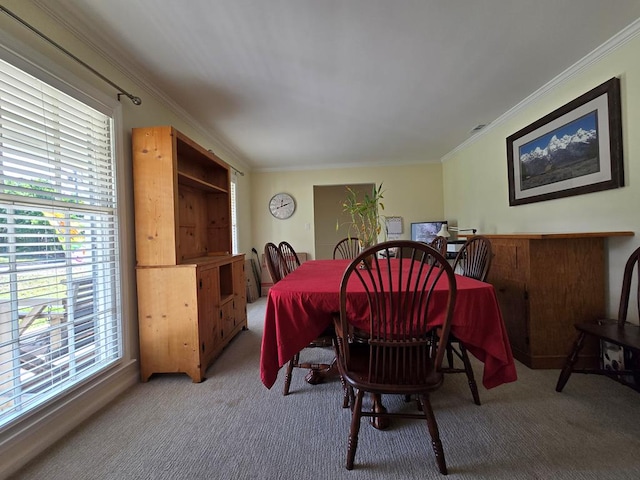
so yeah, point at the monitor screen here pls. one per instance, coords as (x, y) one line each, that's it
(425, 231)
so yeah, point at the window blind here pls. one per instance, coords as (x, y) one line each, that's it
(60, 308)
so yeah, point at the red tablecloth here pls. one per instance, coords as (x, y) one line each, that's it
(299, 308)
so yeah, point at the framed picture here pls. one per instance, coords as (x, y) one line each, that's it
(573, 150)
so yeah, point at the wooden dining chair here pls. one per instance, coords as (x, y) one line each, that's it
(348, 248)
(474, 261)
(278, 269)
(289, 255)
(618, 332)
(440, 244)
(474, 258)
(275, 262)
(402, 311)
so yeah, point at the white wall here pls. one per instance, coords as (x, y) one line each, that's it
(475, 177)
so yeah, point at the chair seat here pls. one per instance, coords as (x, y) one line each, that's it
(627, 335)
(359, 372)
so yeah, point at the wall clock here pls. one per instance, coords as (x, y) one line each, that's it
(282, 205)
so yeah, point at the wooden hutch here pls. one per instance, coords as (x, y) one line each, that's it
(191, 290)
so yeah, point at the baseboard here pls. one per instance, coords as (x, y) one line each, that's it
(29, 438)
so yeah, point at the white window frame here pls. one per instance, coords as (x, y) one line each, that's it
(234, 214)
(41, 67)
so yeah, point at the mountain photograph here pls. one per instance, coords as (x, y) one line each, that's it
(567, 152)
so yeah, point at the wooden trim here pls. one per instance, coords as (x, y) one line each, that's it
(547, 236)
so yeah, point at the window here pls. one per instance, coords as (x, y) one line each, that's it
(234, 216)
(60, 308)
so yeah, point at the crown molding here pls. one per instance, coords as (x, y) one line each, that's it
(342, 166)
(137, 76)
(596, 55)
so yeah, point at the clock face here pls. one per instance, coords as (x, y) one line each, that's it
(282, 205)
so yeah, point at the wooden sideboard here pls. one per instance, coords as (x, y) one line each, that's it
(545, 283)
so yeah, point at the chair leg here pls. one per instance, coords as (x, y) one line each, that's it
(450, 356)
(356, 415)
(347, 394)
(469, 371)
(570, 362)
(435, 434)
(287, 376)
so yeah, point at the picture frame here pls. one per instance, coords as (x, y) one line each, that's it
(575, 149)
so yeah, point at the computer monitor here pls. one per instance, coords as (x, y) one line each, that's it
(425, 231)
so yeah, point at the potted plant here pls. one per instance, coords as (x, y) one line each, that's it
(366, 217)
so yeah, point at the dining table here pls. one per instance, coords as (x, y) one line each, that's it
(301, 306)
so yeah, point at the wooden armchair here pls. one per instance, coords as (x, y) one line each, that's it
(275, 262)
(398, 356)
(281, 261)
(618, 332)
(440, 244)
(473, 260)
(348, 248)
(289, 256)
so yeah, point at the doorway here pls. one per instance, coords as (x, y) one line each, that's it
(327, 213)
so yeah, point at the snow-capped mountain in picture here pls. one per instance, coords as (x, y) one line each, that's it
(560, 152)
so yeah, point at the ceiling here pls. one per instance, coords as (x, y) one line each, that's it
(298, 84)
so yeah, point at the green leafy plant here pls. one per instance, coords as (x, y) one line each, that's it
(366, 217)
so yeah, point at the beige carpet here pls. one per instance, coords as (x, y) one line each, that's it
(232, 427)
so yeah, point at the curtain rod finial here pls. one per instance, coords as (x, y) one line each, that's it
(135, 100)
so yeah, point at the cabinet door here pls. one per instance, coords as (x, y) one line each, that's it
(227, 315)
(514, 306)
(208, 325)
(168, 321)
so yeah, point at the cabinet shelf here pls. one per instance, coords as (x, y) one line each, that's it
(226, 299)
(186, 179)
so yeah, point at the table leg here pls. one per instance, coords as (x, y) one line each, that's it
(319, 373)
(381, 423)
